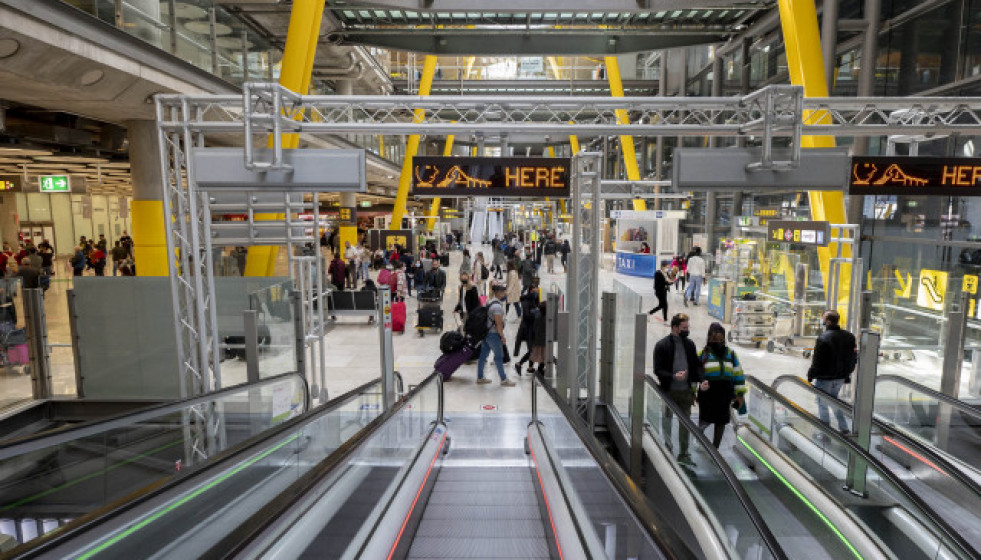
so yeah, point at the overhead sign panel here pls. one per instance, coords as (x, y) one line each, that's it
(309, 170)
(727, 169)
(817, 234)
(489, 176)
(915, 176)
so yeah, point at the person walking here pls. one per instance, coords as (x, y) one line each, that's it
(533, 322)
(696, 275)
(661, 284)
(678, 370)
(514, 291)
(436, 279)
(337, 272)
(680, 262)
(494, 341)
(468, 298)
(351, 265)
(466, 266)
(119, 254)
(550, 250)
(564, 250)
(834, 359)
(527, 270)
(480, 273)
(722, 383)
(47, 253)
(499, 259)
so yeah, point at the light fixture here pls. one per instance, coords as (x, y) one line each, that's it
(969, 148)
(8, 47)
(91, 77)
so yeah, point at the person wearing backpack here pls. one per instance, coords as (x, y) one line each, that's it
(493, 340)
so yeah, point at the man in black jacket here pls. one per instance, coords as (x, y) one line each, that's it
(678, 370)
(835, 355)
(661, 290)
(436, 279)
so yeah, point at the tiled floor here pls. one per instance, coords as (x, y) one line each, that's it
(352, 351)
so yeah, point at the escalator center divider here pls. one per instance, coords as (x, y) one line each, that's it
(551, 537)
(407, 534)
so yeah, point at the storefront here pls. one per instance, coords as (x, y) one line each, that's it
(637, 232)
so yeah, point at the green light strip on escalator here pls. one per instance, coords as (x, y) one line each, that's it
(184, 500)
(801, 497)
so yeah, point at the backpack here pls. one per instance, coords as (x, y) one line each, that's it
(477, 327)
(451, 341)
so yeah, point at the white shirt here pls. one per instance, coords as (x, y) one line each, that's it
(696, 266)
(351, 253)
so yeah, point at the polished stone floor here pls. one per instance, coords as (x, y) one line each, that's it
(353, 357)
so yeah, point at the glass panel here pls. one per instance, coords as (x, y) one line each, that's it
(15, 379)
(628, 306)
(932, 481)
(277, 329)
(85, 473)
(820, 454)
(602, 506)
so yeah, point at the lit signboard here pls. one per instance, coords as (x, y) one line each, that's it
(915, 176)
(6, 185)
(802, 233)
(55, 183)
(485, 176)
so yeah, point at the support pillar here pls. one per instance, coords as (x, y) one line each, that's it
(866, 86)
(149, 229)
(347, 229)
(344, 87)
(626, 142)
(412, 146)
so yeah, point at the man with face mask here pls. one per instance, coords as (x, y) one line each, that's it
(679, 371)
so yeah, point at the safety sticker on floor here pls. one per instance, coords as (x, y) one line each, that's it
(488, 408)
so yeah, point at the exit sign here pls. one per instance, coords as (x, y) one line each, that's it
(55, 183)
(365, 203)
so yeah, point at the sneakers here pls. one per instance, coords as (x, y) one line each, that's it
(684, 459)
(685, 301)
(517, 368)
(507, 383)
(531, 370)
(483, 381)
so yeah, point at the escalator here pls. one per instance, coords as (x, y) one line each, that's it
(410, 484)
(49, 479)
(871, 509)
(940, 480)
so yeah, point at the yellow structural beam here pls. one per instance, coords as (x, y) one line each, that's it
(412, 146)
(296, 68)
(798, 18)
(150, 253)
(434, 209)
(626, 142)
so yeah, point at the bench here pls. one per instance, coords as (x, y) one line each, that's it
(352, 303)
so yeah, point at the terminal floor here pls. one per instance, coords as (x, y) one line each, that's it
(352, 350)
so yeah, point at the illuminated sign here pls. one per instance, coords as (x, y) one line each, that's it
(765, 213)
(802, 233)
(915, 176)
(6, 185)
(55, 183)
(932, 289)
(483, 176)
(347, 216)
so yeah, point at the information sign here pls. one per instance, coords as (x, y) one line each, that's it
(348, 216)
(931, 289)
(55, 183)
(817, 234)
(915, 175)
(487, 176)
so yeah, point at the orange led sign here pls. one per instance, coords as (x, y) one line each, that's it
(915, 176)
(483, 176)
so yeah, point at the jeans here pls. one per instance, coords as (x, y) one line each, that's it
(684, 400)
(492, 343)
(830, 387)
(694, 288)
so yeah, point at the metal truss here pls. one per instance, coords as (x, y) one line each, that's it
(586, 208)
(774, 111)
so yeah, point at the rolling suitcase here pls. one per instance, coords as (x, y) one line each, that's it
(398, 316)
(447, 364)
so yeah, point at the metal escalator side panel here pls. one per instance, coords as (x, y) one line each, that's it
(569, 536)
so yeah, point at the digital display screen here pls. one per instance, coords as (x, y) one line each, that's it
(886, 175)
(489, 176)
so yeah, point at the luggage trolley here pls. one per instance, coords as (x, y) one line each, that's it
(430, 312)
(752, 321)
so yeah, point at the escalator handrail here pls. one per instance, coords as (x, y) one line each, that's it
(772, 544)
(948, 532)
(937, 395)
(889, 429)
(19, 446)
(119, 507)
(246, 532)
(652, 522)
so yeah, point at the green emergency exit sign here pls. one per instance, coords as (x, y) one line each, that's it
(55, 183)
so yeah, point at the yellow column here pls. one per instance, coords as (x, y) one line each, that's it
(297, 66)
(798, 18)
(626, 142)
(412, 146)
(434, 210)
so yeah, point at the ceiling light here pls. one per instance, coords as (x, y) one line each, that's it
(91, 77)
(70, 159)
(23, 152)
(8, 47)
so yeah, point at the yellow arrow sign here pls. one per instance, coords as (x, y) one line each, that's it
(904, 287)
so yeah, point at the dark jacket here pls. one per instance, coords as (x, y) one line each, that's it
(834, 355)
(469, 300)
(550, 247)
(539, 327)
(664, 362)
(436, 280)
(527, 272)
(660, 282)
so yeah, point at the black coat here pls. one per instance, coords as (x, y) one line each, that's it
(664, 362)
(469, 300)
(660, 283)
(834, 355)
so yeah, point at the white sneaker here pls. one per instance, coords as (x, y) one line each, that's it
(507, 383)
(483, 381)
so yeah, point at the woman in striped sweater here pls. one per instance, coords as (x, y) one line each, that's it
(723, 383)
